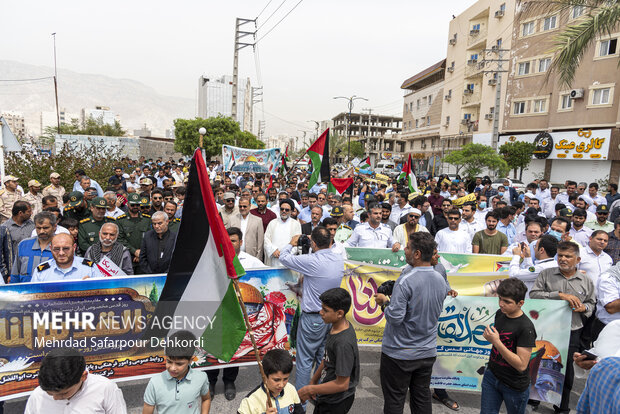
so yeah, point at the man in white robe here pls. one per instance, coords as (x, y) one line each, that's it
(279, 232)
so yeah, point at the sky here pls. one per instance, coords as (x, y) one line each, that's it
(320, 50)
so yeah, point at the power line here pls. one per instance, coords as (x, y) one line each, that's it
(271, 15)
(26, 80)
(264, 8)
(284, 120)
(280, 21)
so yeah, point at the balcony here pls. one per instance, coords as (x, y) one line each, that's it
(474, 68)
(468, 127)
(471, 98)
(476, 38)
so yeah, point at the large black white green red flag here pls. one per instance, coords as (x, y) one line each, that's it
(319, 156)
(204, 263)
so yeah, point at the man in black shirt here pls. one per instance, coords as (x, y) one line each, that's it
(157, 246)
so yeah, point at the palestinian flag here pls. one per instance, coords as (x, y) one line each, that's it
(403, 173)
(283, 166)
(199, 282)
(232, 160)
(270, 182)
(409, 176)
(341, 186)
(319, 156)
(365, 164)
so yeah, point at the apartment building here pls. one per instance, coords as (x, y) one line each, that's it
(379, 134)
(15, 121)
(477, 38)
(422, 114)
(575, 128)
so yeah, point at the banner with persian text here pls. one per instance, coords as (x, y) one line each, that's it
(462, 352)
(108, 320)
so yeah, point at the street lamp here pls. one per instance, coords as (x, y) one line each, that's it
(202, 131)
(350, 99)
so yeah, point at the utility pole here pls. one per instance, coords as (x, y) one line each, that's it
(257, 97)
(497, 75)
(56, 86)
(317, 125)
(368, 140)
(238, 46)
(351, 99)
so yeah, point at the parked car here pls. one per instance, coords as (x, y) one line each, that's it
(386, 167)
(517, 184)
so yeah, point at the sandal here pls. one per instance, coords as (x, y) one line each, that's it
(448, 402)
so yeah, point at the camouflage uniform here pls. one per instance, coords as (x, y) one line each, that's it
(57, 192)
(7, 199)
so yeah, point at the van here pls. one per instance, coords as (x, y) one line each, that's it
(386, 167)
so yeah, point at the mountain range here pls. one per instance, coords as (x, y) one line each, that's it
(135, 103)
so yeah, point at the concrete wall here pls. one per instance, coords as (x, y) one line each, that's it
(133, 147)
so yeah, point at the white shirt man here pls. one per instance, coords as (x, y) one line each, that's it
(279, 232)
(469, 223)
(399, 210)
(401, 232)
(373, 233)
(594, 261)
(608, 296)
(527, 271)
(452, 239)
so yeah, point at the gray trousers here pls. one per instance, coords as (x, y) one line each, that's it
(311, 335)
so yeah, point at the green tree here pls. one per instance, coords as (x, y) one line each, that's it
(91, 126)
(474, 158)
(220, 131)
(340, 143)
(600, 17)
(96, 159)
(517, 155)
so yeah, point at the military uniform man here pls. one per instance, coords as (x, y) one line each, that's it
(88, 230)
(55, 189)
(77, 208)
(133, 225)
(8, 196)
(343, 232)
(170, 208)
(34, 197)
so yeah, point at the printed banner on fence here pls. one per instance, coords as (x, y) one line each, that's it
(121, 308)
(462, 351)
(266, 161)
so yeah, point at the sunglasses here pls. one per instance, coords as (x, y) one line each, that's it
(412, 216)
(454, 218)
(285, 209)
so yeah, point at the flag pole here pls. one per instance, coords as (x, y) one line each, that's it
(249, 328)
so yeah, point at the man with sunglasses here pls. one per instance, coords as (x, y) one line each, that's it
(452, 239)
(251, 229)
(279, 232)
(403, 231)
(601, 223)
(64, 265)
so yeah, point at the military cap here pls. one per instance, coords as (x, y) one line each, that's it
(54, 175)
(337, 212)
(566, 212)
(145, 202)
(146, 181)
(99, 202)
(75, 198)
(133, 198)
(34, 183)
(8, 178)
(602, 208)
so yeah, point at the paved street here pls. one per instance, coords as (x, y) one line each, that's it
(368, 398)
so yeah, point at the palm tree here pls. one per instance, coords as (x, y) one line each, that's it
(600, 18)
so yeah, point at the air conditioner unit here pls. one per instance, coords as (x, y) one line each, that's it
(447, 97)
(472, 62)
(492, 82)
(450, 69)
(576, 93)
(488, 117)
(468, 91)
(474, 32)
(464, 121)
(452, 41)
(499, 13)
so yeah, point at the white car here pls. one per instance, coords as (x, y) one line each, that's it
(517, 184)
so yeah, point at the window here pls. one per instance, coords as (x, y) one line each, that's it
(467, 116)
(430, 99)
(544, 64)
(524, 68)
(424, 101)
(539, 105)
(608, 47)
(578, 11)
(418, 105)
(503, 7)
(448, 120)
(410, 106)
(550, 23)
(518, 108)
(476, 27)
(600, 96)
(449, 92)
(428, 121)
(567, 102)
(528, 28)
(416, 123)
(470, 86)
(499, 43)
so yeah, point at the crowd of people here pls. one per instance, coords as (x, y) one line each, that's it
(562, 245)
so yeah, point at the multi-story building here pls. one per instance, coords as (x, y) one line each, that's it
(379, 134)
(215, 98)
(422, 114)
(477, 40)
(48, 118)
(15, 121)
(102, 113)
(575, 128)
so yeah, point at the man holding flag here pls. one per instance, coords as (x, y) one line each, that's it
(408, 176)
